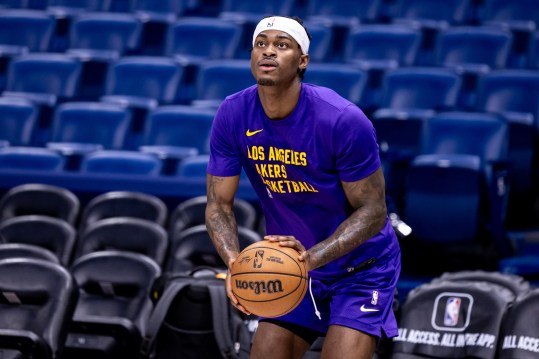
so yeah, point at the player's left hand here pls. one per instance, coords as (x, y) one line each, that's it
(292, 242)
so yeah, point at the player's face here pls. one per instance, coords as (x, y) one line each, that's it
(276, 58)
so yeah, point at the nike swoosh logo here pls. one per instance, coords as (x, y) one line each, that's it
(250, 133)
(363, 309)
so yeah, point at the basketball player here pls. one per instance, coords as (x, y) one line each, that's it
(312, 159)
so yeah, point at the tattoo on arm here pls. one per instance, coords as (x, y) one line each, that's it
(220, 220)
(367, 197)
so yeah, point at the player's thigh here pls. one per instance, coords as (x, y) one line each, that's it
(346, 343)
(276, 342)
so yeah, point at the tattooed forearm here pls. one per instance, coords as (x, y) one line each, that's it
(220, 220)
(368, 198)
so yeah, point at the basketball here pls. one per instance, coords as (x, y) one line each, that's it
(268, 280)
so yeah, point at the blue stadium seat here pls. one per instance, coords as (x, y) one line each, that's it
(409, 96)
(110, 35)
(524, 265)
(37, 307)
(218, 79)
(99, 38)
(513, 93)
(478, 48)
(455, 196)
(34, 33)
(45, 77)
(522, 15)
(143, 83)
(320, 49)
(26, 158)
(533, 52)
(71, 7)
(431, 17)
(35, 30)
(177, 132)
(385, 46)
(125, 163)
(345, 13)
(378, 48)
(347, 80)
(82, 127)
(222, 40)
(194, 166)
(151, 79)
(473, 51)
(18, 121)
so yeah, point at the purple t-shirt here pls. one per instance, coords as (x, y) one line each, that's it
(296, 166)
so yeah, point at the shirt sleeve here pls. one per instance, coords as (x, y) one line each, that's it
(224, 160)
(356, 147)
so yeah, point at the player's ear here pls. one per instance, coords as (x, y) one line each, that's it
(303, 61)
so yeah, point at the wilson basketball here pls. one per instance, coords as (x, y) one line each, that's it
(268, 280)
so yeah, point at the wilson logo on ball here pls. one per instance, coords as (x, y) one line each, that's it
(270, 286)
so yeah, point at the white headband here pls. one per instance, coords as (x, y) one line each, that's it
(290, 26)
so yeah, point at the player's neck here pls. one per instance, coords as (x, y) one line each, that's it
(279, 102)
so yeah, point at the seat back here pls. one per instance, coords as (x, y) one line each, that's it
(507, 11)
(45, 73)
(124, 204)
(218, 79)
(283, 7)
(151, 77)
(364, 10)
(117, 32)
(114, 300)
(31, 159)
(23, 250)
(172, 7)
(193, 247)
(473, 133)
(420, 88)
(348, 81)
(446, 313)
(53, 234)
(393, 45)
(18, 121)
(443, 197)
(121, 163)
(184, 126)
(36, 308)
(451, 11)
(125, 234)
(473, 45)
(520, 328)
(41, 199)
(100, 123)
(88, 5)
(34, 29)
(194, 166)
(222, 38)
(191, 212)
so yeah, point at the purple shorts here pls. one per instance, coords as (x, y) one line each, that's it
(362, 300)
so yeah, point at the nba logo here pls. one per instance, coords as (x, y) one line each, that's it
(270, 22)
(259, 256)
(452, 309)
(374, 299)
